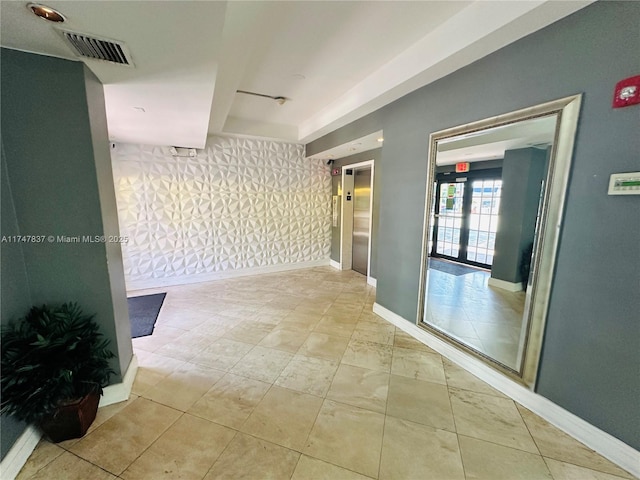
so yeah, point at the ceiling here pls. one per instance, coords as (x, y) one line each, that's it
(333, 61)
(490, 144)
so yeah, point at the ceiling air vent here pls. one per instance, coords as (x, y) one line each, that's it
(98, 48)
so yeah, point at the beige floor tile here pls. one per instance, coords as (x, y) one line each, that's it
(152, 368)
(121, 439)
(188, 345)
(187, 450)
(69, 467)
(566, 471)
(412, 451)
(554, 443)
(364, 333)
(404, 340)
(337, 326)
(421, 402)
(488, 461)
(185, 386)
(250, 458)
(302, 317)
(44, 453)
(284, 417)
(360, 387)
(322, 345)
(308, 375)
(309, 468)
(490, 418)
(265, 364)
(347, 436)
(222, 354)
(285, 340)
(249, 332)
(230, 401)
(418, 364)
(368, 355)
(458, 377)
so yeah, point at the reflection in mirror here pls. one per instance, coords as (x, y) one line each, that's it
(484, 220)
(494, 204)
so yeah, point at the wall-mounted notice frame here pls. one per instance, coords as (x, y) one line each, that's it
(336, 204)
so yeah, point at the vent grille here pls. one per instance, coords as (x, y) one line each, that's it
(98, 49)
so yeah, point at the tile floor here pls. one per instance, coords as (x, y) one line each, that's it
(486, 318)
(291, 376)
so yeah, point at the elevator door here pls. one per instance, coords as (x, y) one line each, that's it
(361, 219)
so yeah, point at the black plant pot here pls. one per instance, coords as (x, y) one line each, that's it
(73, 419)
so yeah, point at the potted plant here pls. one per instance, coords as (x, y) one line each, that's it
(54, 366)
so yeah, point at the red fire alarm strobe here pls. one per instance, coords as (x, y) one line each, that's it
(627, 92)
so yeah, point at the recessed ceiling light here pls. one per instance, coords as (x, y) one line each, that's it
(381, 139)
(47, 13)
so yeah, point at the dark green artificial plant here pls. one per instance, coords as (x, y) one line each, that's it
(53, 356)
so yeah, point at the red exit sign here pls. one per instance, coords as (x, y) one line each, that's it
(462, 167)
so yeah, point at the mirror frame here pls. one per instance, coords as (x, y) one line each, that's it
(546, 244)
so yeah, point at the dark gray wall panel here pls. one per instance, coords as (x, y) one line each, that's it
(15, 299)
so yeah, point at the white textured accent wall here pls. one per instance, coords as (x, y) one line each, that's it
(240, 204)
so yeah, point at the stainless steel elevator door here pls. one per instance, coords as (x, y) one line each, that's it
(361, 219)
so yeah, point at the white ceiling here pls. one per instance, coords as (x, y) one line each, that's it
(491, 144)
(334, 61)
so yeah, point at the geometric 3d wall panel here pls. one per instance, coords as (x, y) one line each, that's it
(240, 203)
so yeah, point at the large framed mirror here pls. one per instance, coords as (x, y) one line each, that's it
(493, 212)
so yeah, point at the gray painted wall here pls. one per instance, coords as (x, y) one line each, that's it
(15, 298)
(56, 151)
(522, 174)
(335, 181)
(590, 357)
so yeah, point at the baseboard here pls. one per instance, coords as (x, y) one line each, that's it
(119, 392)
(606, 445)
(335, 264)
(504, 285)
(372, 281)
(18, 455)
(207, 277)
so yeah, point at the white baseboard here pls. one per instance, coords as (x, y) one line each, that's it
(207, 277)
(19, 453)
(372, 281)
(119, 392)
(504, 285)
(335, 264)
(606, 445)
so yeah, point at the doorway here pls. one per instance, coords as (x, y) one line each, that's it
(361, 220)
(357, 218)
(466, 223)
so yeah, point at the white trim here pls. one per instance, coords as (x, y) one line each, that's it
(119, 392)
(605, 444)
(504, 285)
(335, 264)
(207, 277)
(19, 453)
(372, 281)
